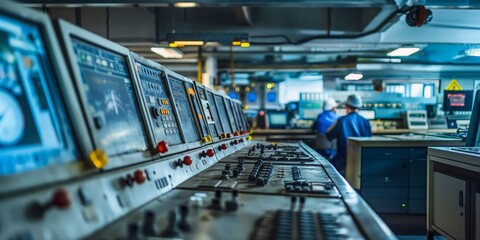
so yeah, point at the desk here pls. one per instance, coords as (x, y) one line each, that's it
(389, 171)
(453, 207)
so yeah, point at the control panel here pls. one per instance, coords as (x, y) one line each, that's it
(186, 113)
(161, 112)
(100, 143)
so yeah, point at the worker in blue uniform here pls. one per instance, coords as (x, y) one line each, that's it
(324, 120)
(350, 125)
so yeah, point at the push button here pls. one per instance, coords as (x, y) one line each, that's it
(210, 153)
(162, 147)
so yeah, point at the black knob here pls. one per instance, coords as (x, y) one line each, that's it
(148, 222)
(235, 173)
(170, 231)
(260, 181)
(227, 167)
(183, 224)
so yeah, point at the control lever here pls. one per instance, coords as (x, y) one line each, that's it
(293, 201)
(302, 202)
(170, 231)
(148, 221)
(183, 224)
(217, 201)
(232, 205)
(60, 199)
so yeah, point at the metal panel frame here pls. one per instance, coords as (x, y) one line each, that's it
(65, 31)
(137, 58)
(51, 174)
(199, 86)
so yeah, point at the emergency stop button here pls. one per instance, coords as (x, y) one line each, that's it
(210, 153)
(187, 160)
(162, 147)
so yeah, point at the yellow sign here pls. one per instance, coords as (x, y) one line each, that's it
(453, 86)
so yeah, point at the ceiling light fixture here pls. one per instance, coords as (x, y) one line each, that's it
(354, 76)
(403, 52)
(472, 52)
(167, 52)
(185, 4)
(183, 43)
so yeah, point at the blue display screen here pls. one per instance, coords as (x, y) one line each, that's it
(34, 130)
(251, 97)
(111, 99)
(233, 95)
(271, 97)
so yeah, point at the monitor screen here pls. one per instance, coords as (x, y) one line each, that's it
(231, 117)
(457, 100)
(222, 112)
(233, 95)
(367, 114)
(473, 136)
(271, 97)
(111, 99)
(251, 97)
(34, 128)
(185, 112)
(278, 119)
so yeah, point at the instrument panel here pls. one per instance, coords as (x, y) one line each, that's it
(104, 143)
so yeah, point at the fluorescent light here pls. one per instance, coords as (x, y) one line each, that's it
(403, 52)
(167, 52)
(354, 76)
(188, 43)
(473, 52)
(185, 4)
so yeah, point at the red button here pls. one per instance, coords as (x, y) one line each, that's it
(222, 136)
(61, 199)
(229, 135)
(162, 147)
(244, 132)
(223, 146)
(139, 176)
(235, 142)
(241, 140)
(187, 160)
(236, 133)
(210, 153)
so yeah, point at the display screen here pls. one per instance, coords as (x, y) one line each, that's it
(231, 117)
(180, 99)
(457, 100)
(233, 95)
(278, 120)
(196, 105)
(34, 129)
(251, 97)
(222, 112)
(271, 97)
(111, 99)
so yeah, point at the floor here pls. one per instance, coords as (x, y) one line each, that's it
(407, 226)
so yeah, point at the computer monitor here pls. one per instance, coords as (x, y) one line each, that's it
(36, 131)
(473, 136)
(251, 97)
(457, 100)
(230, 113)
(109, 96)
(222, 112)
(277, 119)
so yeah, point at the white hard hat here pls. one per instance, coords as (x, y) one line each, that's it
(329, 104)
(354, 101)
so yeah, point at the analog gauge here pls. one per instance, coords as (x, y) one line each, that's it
(12, 123)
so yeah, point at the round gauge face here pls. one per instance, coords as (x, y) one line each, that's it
(12, 122)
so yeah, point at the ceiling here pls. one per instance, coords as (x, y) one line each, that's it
(328, 37)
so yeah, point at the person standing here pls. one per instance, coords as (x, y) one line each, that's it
(322, 123)
(350, 125)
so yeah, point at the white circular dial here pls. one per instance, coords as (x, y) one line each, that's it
(12, 123)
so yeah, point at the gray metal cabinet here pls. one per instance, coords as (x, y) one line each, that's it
(393, 179)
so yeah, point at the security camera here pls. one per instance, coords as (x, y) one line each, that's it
(418, 16)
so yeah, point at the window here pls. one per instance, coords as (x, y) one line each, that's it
(412, 89)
